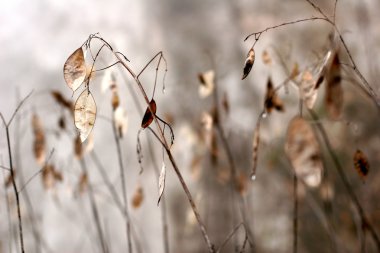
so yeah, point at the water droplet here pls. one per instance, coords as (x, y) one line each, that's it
(253, 177)
(163, 89)
(264, 115)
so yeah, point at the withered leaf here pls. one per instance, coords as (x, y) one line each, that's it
(334, 91)
(39, 140)
(272, 100)
(307, 90)
(138, 197)
(74, 69)
(248, 63)
(161, 182)
(85, 114)
(207, 80)
(361, 163)
(303, 151)
(148, 116)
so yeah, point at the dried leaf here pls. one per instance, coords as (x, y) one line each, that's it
(121, 121)
(266, 58)
(307, 90)
(361, 164)
(148, 116)
(161, 182)
(303, 151)
(272, 100)
(138, 197)
(74, 70)
(85, 114)
(334, 91)
(248, 63)
(39, 140)
(255, 147)
(207, 80)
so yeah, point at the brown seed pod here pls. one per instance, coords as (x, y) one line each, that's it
(248, 63)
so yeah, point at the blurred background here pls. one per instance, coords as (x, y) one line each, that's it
(195, 36)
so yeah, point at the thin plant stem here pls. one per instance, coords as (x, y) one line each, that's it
(124, 188)
(6, 125)
(94, 208)
(295, 213)
(229, 236)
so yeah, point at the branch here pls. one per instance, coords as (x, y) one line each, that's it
(166, 146)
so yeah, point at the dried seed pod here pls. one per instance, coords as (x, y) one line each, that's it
(334, 91)
(78, 149)
(148, 116)
(138, 197)
(61, 100)
(241, 183)
(50, 176)
(83, 183)
(248, 63)
(361, 164)
(85, 114)
(207, 80)
(115, 101)
(121, 121)
(272, 100)
(303, 151)
(225, 103)
(39, 140)
(266, 58)
(74, 69)
(307, 90)
(295, 71)
(161, 182)
(255, 149)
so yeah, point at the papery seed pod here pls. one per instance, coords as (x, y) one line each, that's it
(207, 80)
(303, 151)
(148, 116)
(74, 69)
(361, 164)
(334, 90)
(248, 63)
(85, 114)
(138, 197)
